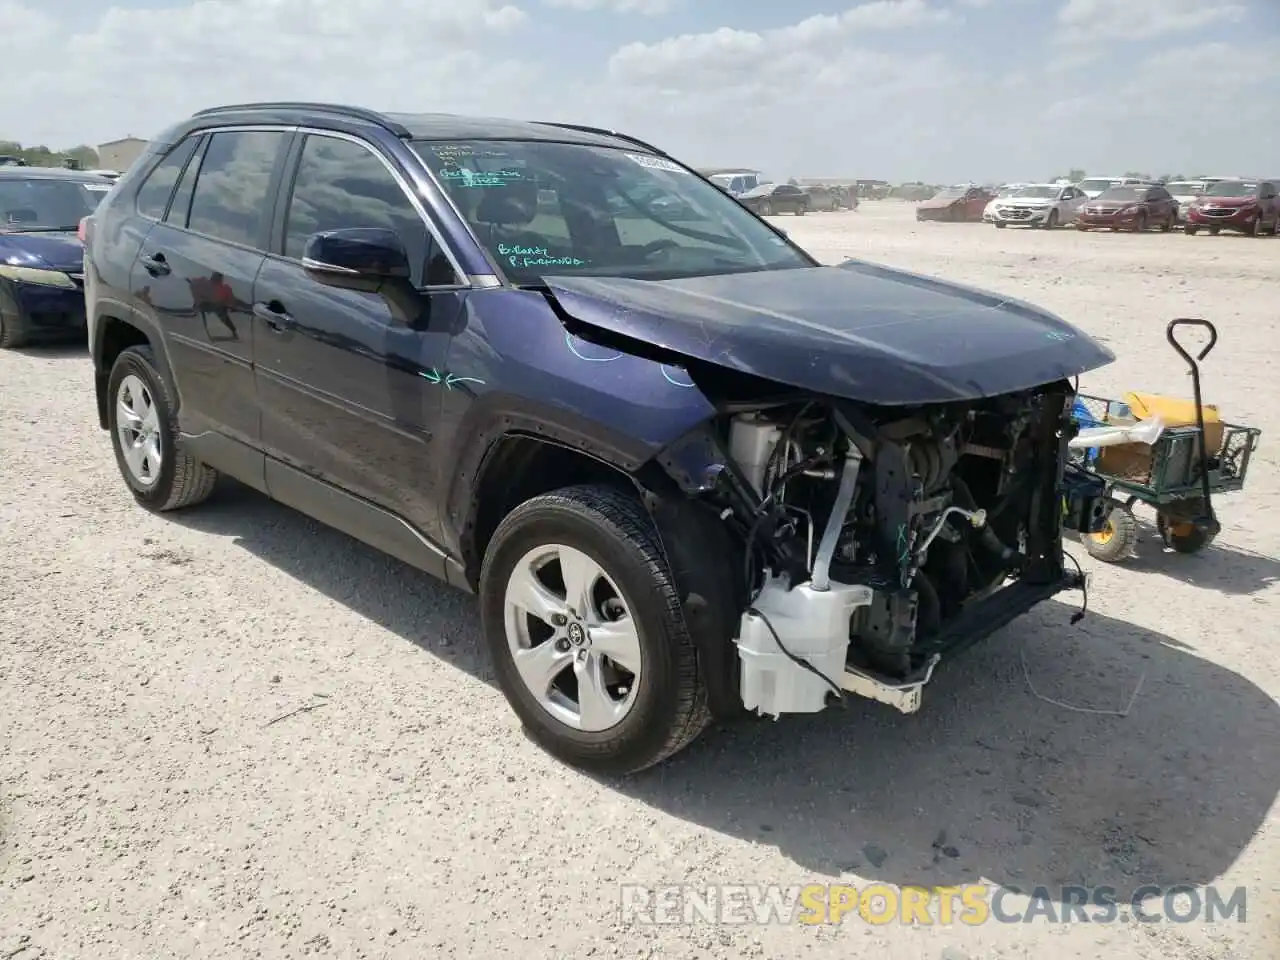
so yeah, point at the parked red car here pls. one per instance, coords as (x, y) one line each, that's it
(955, 203)
(1130, 208)
(1248, 206)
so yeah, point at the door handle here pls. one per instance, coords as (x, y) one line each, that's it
(274, 316)
(157, 265)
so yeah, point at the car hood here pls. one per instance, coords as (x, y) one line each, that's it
(858, 331)
(938, 203)
(54, 251)
(1113, 204)
(1026, 201)
(1228, 201)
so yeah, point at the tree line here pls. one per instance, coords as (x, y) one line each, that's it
(83, 155)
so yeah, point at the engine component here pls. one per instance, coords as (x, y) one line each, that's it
(800, 623)
(977, 519)
(751, 443)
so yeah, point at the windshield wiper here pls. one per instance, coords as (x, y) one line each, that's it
(18, 229)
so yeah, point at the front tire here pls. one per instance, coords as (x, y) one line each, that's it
(766, 209)
(150, 452)
(1052, 222)
(1117, 539)
(13, 332)
(587, 633)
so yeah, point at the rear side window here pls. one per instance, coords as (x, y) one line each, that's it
(180, 205)
(340, 184)
(230, 200)
(154, 194)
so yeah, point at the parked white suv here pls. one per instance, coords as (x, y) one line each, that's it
(1185, 192)
(1045, 205)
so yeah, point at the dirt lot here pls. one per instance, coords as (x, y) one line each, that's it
(149, 810)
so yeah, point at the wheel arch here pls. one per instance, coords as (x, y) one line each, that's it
(519, 466)
(116, 328)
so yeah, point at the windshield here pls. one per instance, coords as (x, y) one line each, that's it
(1184, 188)
(1233, 188)
(949, 193)
(1121, 193)
(558, 208)
(1098, 185)
(34, 204)
(1037, 191)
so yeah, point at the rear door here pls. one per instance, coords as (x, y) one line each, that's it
(196, 271)
(350, 389)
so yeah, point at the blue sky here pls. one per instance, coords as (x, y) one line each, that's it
(939, 90)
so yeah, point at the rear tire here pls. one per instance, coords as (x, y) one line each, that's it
(1183, 536)
(612, 530)
(766, 209)
(1190, 231)
(179, 480)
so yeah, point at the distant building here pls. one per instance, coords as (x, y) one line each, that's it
(120, 154)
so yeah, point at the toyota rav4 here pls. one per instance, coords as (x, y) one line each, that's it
(689, 471)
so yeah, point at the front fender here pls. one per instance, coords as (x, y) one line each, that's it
(518, 371)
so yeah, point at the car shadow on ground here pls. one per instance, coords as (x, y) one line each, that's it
(76, 350)
(1219, 566)
(1002, 776)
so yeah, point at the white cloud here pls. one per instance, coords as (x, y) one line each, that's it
(120, 71)
(744, 55)
(645, 7)
(1095, 20)
(898, 89)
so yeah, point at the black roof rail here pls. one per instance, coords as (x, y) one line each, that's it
(355, 113)
(600, 131)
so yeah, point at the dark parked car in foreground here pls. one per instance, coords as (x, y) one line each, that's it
(1134, 208)
(959, 204)
(41, 259)
(1245, 206)
(682, 464)
(769, 199)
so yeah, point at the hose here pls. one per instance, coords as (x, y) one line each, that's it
(821, 579)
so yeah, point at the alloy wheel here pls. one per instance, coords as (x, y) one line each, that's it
(575, 644)
(138, 428)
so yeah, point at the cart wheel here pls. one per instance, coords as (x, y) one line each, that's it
(1182, 535)
(1116, 540)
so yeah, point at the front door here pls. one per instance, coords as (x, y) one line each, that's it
(196, 270)
(349, 382)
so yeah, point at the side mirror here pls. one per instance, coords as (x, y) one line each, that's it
(357, 258)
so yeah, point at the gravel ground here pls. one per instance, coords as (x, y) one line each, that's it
(150, 809)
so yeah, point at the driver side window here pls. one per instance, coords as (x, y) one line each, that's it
(340, 184)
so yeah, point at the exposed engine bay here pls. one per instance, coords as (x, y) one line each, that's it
(880, 539)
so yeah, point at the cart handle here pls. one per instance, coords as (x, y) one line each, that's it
(1195, 383)
(1191, 322)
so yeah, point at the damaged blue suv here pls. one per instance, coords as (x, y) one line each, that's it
(689, 471)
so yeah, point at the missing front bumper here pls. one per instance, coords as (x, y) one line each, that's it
(979, 619)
